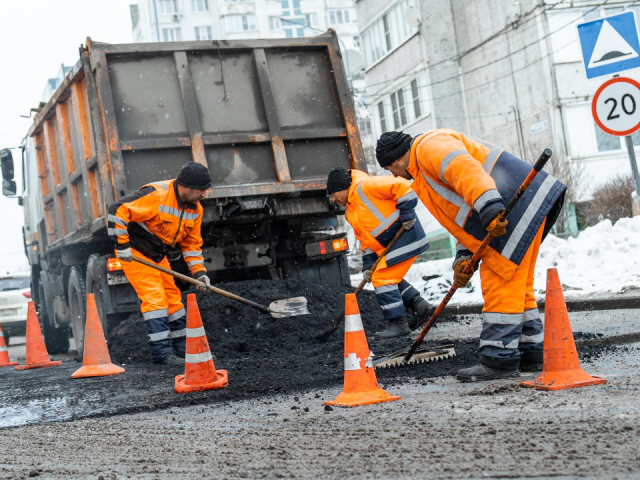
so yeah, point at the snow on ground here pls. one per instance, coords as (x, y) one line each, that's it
(603, 258)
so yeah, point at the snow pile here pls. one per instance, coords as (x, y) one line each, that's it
(603, 258)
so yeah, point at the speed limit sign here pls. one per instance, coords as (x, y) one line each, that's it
(616, 106)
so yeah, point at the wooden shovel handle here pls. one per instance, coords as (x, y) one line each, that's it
(198, 283)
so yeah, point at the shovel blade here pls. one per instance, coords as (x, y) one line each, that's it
(289, 307)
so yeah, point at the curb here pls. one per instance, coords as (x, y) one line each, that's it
(573, 305)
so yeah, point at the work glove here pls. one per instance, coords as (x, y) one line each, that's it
(408, 225)
(497, 227)
(460, 279)
(367, 274)
(204, 278)
(124, 255)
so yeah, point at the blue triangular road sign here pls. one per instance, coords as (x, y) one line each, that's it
(610, 45)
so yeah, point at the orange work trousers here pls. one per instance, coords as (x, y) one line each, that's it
(511, 322)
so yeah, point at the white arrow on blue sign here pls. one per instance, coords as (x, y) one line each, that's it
(610, 45)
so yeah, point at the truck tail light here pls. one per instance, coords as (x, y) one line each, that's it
(113, 265)
(27, 294)
(326, 247)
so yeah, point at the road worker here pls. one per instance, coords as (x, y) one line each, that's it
(148, 224)
(466, 183)
(376, 209)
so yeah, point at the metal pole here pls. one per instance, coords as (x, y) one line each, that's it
(634, 166)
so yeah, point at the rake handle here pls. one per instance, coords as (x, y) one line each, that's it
(470, 266)
(338, 319)
(198, 283)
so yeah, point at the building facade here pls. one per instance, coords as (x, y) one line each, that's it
(184, 20)
(503, 70)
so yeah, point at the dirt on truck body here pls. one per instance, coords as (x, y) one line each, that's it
(269, 118)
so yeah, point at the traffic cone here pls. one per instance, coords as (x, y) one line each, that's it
(96, 361)
(37, 355)
(561, 365)
(5, 361)
(360, 383)
(199, 370)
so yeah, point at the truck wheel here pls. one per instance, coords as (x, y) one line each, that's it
(55, 339)
(77, 297)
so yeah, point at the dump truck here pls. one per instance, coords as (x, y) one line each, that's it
(269, 118)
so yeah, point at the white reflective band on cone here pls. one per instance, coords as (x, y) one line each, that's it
(195, 332)
(352, 362)
(353, 323)
(3, 349)
(1, 333)
(197, 357)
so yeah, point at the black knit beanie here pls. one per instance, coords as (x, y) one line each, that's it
(194, 175)
(339, 179)
(391, 146)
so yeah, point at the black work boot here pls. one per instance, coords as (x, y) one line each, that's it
(490, 369)
(397, 327)
(531, 361)
(171, 360)
(420, 311)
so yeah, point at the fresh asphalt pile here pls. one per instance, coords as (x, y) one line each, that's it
(265, 355)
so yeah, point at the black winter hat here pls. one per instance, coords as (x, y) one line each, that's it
(194, 175)
(339, 179)
(391, 146)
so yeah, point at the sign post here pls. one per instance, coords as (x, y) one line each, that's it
(616, 110)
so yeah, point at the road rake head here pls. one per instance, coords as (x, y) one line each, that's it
(422, 355)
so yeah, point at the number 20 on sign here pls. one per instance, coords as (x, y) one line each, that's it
(616, 106)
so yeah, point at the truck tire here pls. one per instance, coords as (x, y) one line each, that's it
(77, 297)
(55, 339)
(333, 270)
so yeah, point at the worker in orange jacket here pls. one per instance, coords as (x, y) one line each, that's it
(149, 224)
(465, 183)
(376, 209)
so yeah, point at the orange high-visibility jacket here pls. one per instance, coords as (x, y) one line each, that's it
(455, 176)
(376, 208)
(154, 219)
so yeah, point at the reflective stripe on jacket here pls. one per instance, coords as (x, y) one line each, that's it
(376, 208)
(153, 219)
(455, 176)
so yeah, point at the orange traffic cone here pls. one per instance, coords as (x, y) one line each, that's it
(37, 355)
(5, 361)
(561, 366)
(199, 370)
(96, 361)
(360, 383)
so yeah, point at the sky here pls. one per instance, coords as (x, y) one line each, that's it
(36, 36)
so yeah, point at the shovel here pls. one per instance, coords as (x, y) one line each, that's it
(289, 307)
(323, 337)
(405, 358)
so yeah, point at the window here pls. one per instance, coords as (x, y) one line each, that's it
(169, 6)
(203, 33)
(300, 32)
(341, 16)
(8, 284)
(605, 141)
(285, 8)
(171, 35)
(403, 106)
(387, 33)
(288, 32)
(296, 7)
(312, 19)
(416, 98)
(240, 23)
(397, 107)
(275, 23)
(383, 121)
(200, 5)
(356, 42)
